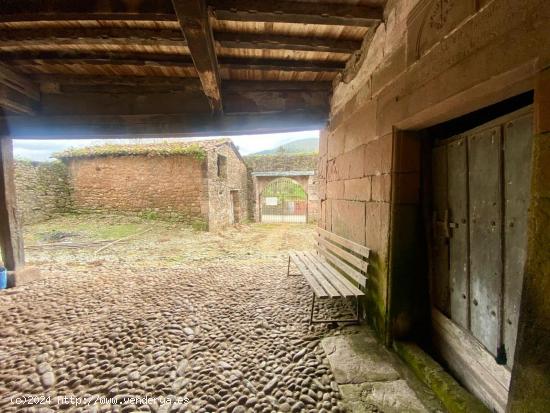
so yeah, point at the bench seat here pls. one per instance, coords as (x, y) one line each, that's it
(336, 270)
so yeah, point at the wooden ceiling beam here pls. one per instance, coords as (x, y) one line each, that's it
(147, 126)
(193, 18)
(168, 60)
(166, 37)
(297, 12)
(63, 10)
(97, 35)
(285, 65)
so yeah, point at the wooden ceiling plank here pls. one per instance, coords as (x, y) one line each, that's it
(262, 41)
(15, 101)
(297, 12)
(193, 18)
(18, 83)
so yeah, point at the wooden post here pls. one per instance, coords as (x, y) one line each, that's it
(11, 239)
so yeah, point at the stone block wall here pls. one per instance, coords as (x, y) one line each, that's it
(423, 66)
(169, 186)
(42, 190)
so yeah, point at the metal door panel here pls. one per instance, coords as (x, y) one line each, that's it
(517, 177)
(485, 236)
(440, 267)
(458, 228)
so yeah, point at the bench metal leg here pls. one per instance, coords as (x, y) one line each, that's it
(312, 307)
(288, 269)
(357, 314)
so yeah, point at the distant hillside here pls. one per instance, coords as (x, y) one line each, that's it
(309, 145)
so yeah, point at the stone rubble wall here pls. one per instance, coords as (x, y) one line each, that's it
(281, 162)
(42, 190)
(221, 208)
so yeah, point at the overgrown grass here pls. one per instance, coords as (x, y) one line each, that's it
(160, 149)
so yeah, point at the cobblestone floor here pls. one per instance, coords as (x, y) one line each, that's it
(228, 332)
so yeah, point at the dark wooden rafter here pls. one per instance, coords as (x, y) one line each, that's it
(296, 12)
(195, 24)
(95, 35)
(17, 93)
(137, 126)
(161, 10)
(285, 65)
(167, 37)
(262, 41)
(169, 60)
(83, 83)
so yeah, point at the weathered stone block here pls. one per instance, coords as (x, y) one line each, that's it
(335, 190)
(357, 189)
(391, 67)
(372, 163)
(361, 126)
(381, 187)
(348, 220)
(323, 142)
(336, 142)
(332, 171)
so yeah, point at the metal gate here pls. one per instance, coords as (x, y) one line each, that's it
(283, 201)
(480, 200)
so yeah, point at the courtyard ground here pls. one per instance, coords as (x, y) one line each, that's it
(168, 320)
(170, 312)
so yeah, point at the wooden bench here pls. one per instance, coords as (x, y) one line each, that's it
(335, 271)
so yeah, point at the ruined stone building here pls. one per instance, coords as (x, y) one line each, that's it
(435, 146)
(202, 182)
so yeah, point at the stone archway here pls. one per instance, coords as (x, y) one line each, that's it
(305, 179)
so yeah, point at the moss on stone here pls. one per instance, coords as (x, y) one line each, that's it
(455, 398)
(194, 150)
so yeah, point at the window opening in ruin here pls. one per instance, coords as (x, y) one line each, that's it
(222, 166)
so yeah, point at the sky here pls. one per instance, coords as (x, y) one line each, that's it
(42, 150)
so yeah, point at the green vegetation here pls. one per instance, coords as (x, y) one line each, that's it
(284, 188)
(163, 149)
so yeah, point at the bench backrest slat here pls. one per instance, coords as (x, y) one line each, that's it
(355, 275)
(344, 255)
(352, 246)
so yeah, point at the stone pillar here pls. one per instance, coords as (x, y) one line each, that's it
(531, 371)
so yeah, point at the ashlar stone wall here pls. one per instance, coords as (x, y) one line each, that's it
(422, 66)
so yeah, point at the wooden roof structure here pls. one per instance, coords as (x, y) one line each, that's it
(71, 69)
